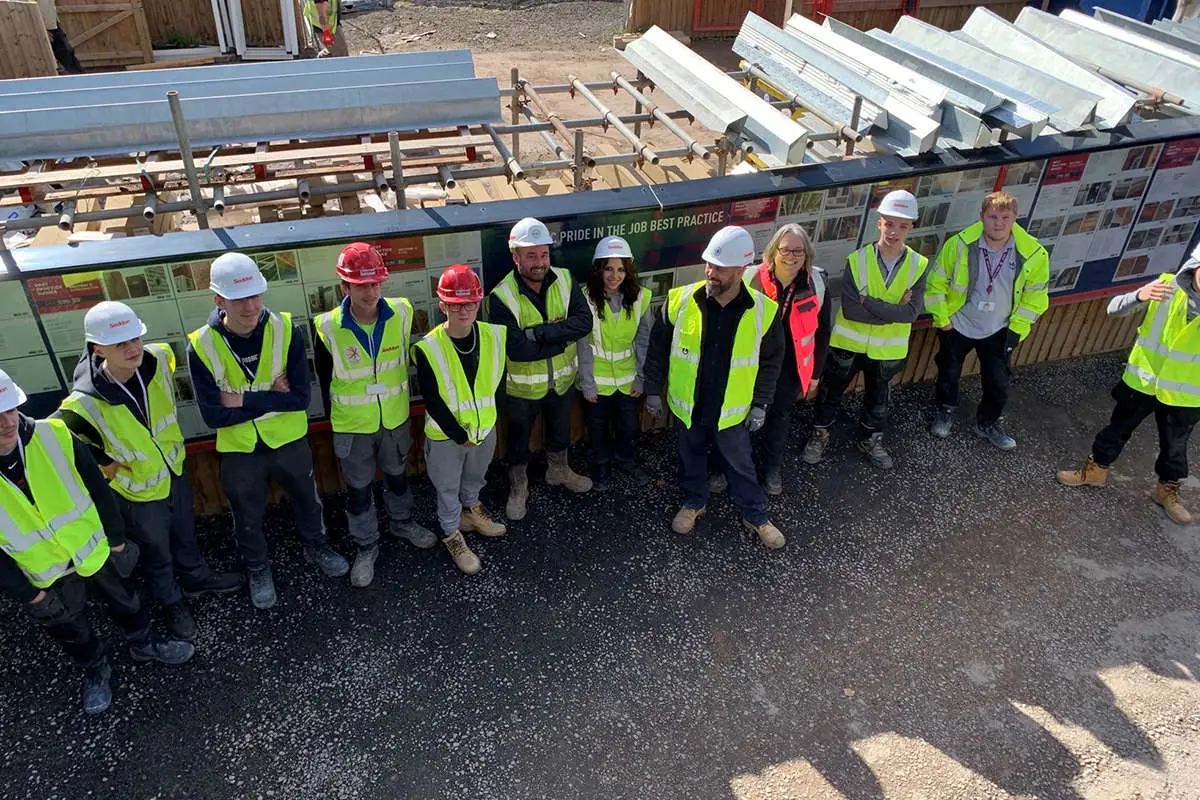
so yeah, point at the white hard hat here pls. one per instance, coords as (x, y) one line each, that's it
(235, 276)
(109, 322)
(612, 247)
(529, 232)
(11, 395)
(731, 246)
(900, 204)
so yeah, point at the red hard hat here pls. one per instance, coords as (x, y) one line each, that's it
(359, 262)
(459, 284)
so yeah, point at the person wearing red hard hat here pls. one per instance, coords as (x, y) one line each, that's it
(122, 405)
(365, 343)
(460, 365)
(250, 372)
(882, 295)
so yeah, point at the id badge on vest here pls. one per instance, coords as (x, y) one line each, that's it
(987, 306)
(374, 389)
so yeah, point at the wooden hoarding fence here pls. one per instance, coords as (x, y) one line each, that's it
(26, 52)
(107, 32)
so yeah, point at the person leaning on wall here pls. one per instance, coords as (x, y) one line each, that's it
(612, 358)
(364, 342)
(252, 385)
(122, 405)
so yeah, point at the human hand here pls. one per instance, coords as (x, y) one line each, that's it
(280, 384)
(1154, 291)
(231, 400)
(110, 469)
(125, 558)
(756, 419)
(654, 406)
(635, 392)
(531, 334)
(40, 598)
(591, 396)
(946, 327)
(906, 298)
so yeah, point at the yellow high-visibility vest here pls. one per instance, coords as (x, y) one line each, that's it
(532, 380)
(1165, 359)
(366, 392)
(888, 341)
(614, 362)
(472, 404)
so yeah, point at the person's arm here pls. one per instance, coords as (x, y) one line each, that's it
(900, 312)
(518, 346)
(102, 496)
(577, 324)
(854, 306)
(13, 581)
(658, 354)
(1124, 305)
(208, 397)
(587, 372)
(323, 361)
(937, 282)
(771, 354)
(641, 345)
(824, 329)
(299, 392)
(83, 430)
(1035, 297)
(435, 407)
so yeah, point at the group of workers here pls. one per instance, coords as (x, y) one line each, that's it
(99, 490)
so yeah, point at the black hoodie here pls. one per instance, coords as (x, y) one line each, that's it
(92, 380)
(12, 580)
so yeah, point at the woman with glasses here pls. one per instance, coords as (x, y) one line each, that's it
(789, 277)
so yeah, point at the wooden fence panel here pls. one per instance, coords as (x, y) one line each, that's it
(264, 24)
(181, 23)
(107, 32)
(26, 52)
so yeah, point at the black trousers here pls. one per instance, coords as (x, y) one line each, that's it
(772, 439)
(165, 530)
(64, 53)
(994, 371)
(556, 424)
(733, 456)
(63, 613)
(841, 366)
(613, 430)
(246, 479)
(1174, 423)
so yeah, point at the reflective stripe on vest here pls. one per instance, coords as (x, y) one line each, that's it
(532, 380)
(614, 363)
(60, 532)
(686, 317)
(351, 408)
(887, 341)
(276, 428)
(1165, 359)
(149, 456)
(473, 405)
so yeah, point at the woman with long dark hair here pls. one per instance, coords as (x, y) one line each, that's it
(611, 359)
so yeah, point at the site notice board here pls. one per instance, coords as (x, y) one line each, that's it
(1111, 211)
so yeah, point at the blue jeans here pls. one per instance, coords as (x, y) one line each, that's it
(734, 457)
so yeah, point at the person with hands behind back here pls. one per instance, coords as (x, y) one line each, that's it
(1162, 377)
(460, 364)
(61, 535)
(611, 362)
(251, 377)
(716, 350)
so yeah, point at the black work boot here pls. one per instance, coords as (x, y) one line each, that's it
(171, 651)
(262, 588)
(179, 621)
(875, 452)
(97, 692)
(215, 583)
(330, 562)
(601, 478)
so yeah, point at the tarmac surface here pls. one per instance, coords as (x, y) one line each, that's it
(961, 627)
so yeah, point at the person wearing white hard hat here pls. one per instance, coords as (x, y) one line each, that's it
(882, 295)
(545, 315)
(611, 361)
(122, 405)
(716, 351)
(1161, 379)
(252, 385)
(988, 287)
(61, 535)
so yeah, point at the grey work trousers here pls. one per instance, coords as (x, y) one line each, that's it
(458, 474)
(165, 530)
(246, 478)
(359, 454)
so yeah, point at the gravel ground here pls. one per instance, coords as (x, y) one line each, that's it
(960, 628)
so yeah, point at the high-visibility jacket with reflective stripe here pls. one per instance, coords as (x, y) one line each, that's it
(276, 428)
(310, 14)
(949, 279)
(1165, 359)
(614, 362)
(60, 531)
(802, 325)
(532, 380)
(353, 406)
(473, 405)
(147, 457)
(687, 319)
(886, 341)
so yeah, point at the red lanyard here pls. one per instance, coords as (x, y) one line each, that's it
(993, 273)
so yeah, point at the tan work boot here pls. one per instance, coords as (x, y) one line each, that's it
(464, 559)
(1166, 494)
(770, 535)
(685, 520)
(518, 492)
(1090, 474)
(560, 473)
(476, 519)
